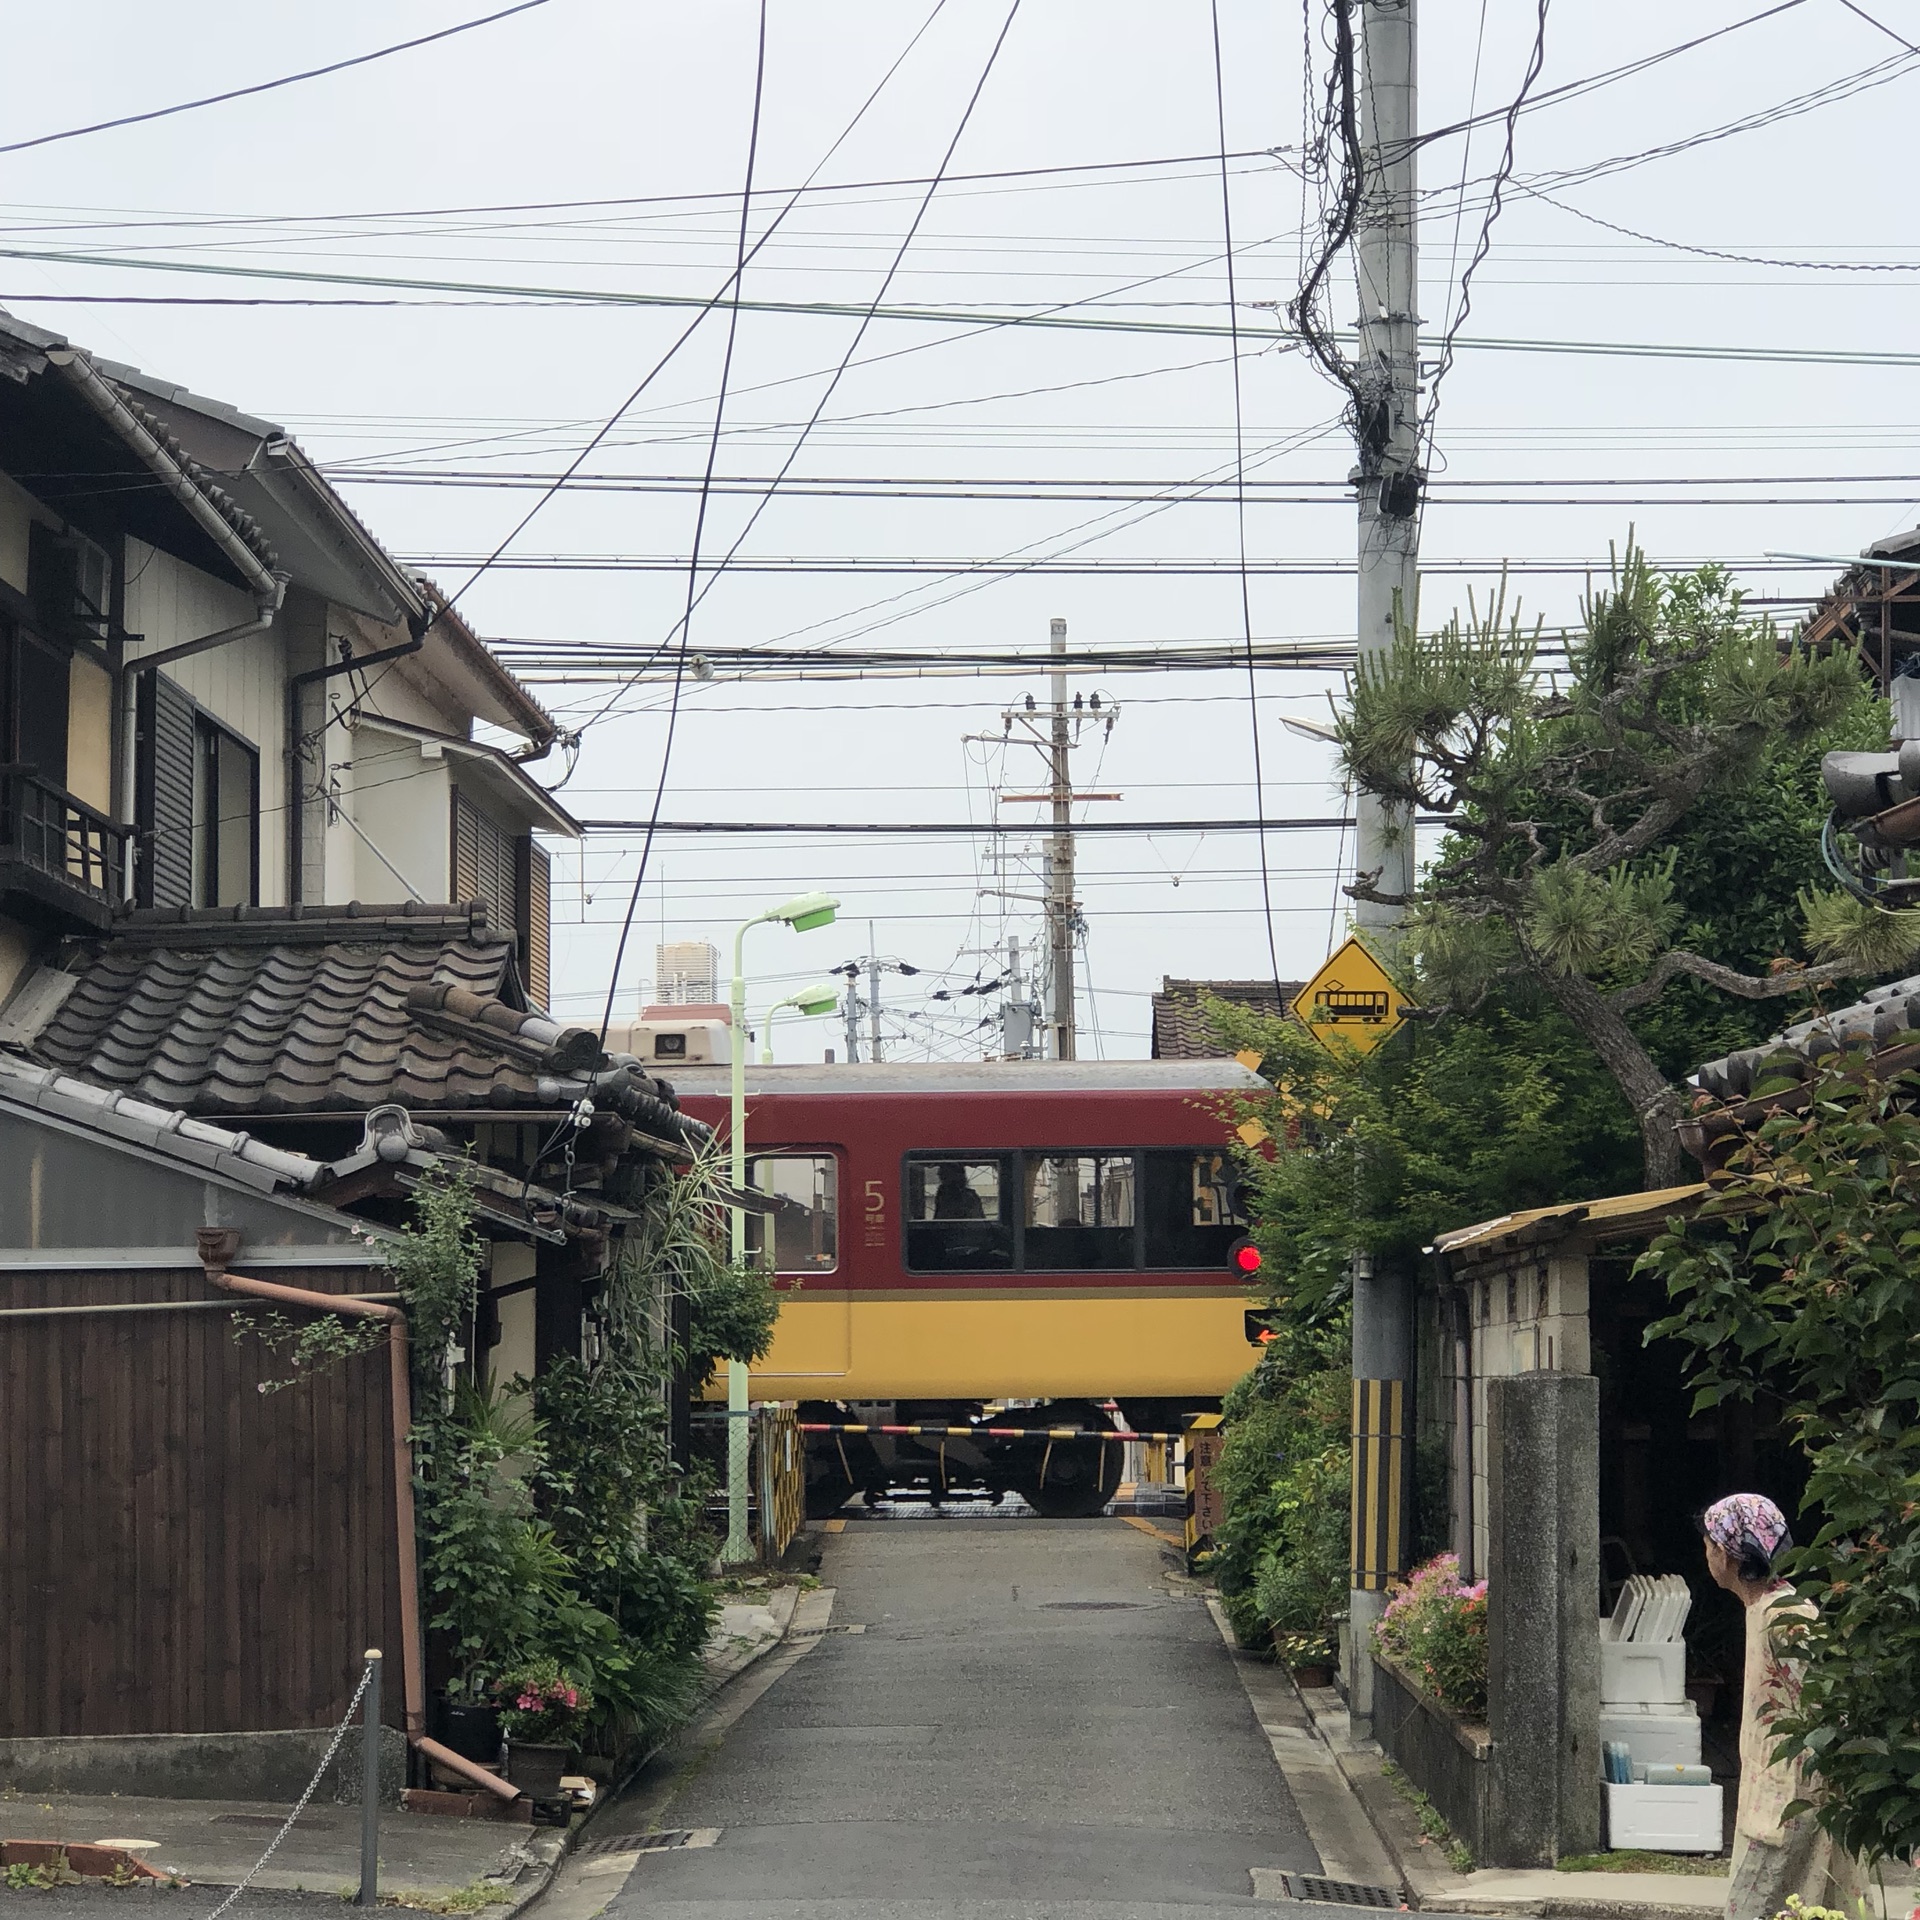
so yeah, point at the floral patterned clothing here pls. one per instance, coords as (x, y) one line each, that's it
(1772, 1855)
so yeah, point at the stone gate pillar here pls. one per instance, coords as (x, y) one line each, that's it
(1543, 1619)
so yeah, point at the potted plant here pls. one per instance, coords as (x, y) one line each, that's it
(470, 1722)
(542, 1708)
(1309, 1657)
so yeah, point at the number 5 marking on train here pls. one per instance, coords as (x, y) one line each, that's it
(876, 1211)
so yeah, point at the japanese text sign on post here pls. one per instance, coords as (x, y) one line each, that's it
(1351, 1002)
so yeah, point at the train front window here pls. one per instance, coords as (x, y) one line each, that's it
(803, 1231)
(1079, 1211)
(1188, 1202)
(958, 1219)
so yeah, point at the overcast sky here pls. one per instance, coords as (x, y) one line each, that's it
(589, 100)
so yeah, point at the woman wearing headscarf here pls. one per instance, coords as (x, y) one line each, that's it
(1773, 1856)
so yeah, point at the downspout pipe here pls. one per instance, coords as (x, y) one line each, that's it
(297, 683)
(216, 1246)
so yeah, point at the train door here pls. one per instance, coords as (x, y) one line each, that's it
(800, 1243)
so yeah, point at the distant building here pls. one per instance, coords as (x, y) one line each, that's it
(1181, 1030)
(686, 973)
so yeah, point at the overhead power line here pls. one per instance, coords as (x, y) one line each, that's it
(269, 86)
(963, 830)
(977, 318)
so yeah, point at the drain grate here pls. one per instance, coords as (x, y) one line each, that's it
(664, 1841)
(1092, 1606)
(1337, 1893)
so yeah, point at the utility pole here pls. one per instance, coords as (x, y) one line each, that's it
(853, 1015)
(1054, 731)
(873, 997)
(1389, 481)
(1060, 902)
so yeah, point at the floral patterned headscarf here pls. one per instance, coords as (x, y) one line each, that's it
(1746, 1522)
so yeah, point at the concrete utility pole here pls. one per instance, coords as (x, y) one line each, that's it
(1060, 857)
(853, 1016)
(1389, 481)
(873, 997)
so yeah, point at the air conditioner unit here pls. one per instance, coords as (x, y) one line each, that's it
(669, 1037)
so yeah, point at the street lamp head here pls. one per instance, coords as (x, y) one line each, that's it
(807, 911)
(1308, 729)
(821, 997)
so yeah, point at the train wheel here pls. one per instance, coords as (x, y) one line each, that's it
(1063, 1479)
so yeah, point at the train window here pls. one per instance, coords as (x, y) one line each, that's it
(1079, 1211)
(958, 1214)
(1187, 1199)
(805, 1222)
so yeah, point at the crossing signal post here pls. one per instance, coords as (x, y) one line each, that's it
(1244, 1257)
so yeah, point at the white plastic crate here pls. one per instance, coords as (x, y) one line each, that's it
(1642, 1673)
(1657, 1736)
(1664, 1819)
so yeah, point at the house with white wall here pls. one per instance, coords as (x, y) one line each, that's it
(218, 690)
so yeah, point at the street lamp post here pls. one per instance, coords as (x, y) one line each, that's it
(822, 997)
(802, 914)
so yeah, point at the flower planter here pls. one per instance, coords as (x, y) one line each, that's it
(473, 1732)
(536, 1768)
(1446, 1757)
(1315, 1673)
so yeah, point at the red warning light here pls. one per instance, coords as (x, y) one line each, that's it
(1244, 1257)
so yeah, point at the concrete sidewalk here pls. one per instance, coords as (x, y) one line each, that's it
(1367, 1832)
(216, 1841)
(500, 1865)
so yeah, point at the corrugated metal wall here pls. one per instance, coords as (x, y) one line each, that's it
(183, 1553)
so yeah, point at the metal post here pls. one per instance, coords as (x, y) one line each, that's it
(739, 1544)
(1060, 890)
(369, 1894)
(1389, 480)
(874, 1051)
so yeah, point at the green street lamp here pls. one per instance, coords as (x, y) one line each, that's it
(803, 914)
(822, 997)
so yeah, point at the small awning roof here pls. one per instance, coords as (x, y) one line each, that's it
(518, 797)
(1618, 1216)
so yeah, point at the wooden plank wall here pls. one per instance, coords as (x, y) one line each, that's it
(183, 1553)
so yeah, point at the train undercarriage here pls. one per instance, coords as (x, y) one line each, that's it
(1061, 1478)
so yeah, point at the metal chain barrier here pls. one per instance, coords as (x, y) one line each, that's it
(319, 1773)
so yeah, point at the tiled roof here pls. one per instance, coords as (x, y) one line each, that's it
(269, 1013)
(161, 1129)
(1884, 1017)
(1181, 1030)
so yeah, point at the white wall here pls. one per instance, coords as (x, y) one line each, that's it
(242, 684)
(402, 801)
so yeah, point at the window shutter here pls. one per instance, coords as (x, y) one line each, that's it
(466, 850)
(485, 867)
(535, 919)
(163, 793)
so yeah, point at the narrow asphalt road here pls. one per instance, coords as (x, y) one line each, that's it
(1029, 1724)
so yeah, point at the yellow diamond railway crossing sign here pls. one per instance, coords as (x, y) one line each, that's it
(1351, 1002)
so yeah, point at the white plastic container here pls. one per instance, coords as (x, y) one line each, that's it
(1655, 1736)
(1642, 1673)
(1665, 1819)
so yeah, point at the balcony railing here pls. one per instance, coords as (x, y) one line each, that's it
(58, 837)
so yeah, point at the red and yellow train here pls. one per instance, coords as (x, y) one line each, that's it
(1045, 1236)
